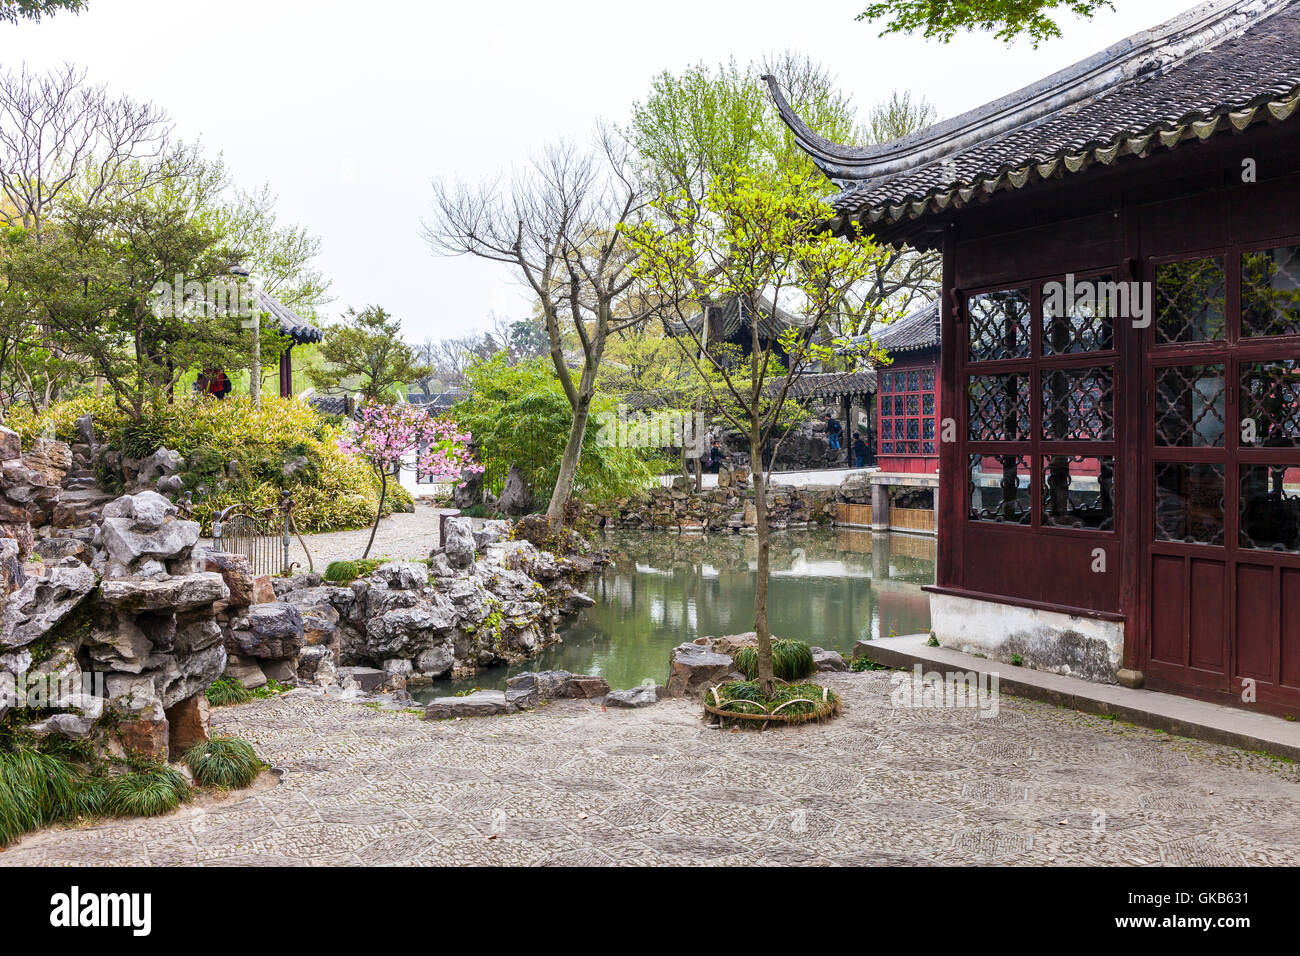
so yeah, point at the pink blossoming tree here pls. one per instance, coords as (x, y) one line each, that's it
(387, 435)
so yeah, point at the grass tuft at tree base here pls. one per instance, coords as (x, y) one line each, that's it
(790, 703)
(791, 660)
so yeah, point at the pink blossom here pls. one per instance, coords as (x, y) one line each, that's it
(385, 435)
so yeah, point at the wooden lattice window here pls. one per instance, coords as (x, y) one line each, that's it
(909, 411)
(1040, 404)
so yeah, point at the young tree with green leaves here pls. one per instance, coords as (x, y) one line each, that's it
(1005, 19)
(763, 240)
(365, 351)
(11, 11)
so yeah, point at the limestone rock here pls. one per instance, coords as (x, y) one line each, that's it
(275, 630)
(482, 703)
(402, 575)
(236, 570)
(828, 660)
(458, 547)
(642, 696)
(515, 498)
(695, 668)
(42, 603)
(368, 679)
(182, 593)
(436, 661)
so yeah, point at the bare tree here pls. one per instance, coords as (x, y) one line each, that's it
(559, 224)
(59, 134)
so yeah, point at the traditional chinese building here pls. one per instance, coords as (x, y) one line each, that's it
(908, 394)
(1120, 319)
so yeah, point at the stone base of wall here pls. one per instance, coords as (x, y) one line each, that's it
(1049, 641)
(721, 509)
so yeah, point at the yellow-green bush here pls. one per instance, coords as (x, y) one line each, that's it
(335, 492)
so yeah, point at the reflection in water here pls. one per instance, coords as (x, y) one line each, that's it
(829, 588)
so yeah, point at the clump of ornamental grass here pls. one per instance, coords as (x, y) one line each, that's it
(345, 572)
(791, 660)
(225, 691)
(146, 791)
(228, 763)
(788, 703)
(36, 789)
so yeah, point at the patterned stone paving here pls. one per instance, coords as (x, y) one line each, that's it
(570, 784)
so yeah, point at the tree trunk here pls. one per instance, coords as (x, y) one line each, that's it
(569, 463)
(766, 679)
(379, 512)
(255, 371)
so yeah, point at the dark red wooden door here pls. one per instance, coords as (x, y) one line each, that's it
(1223, 475)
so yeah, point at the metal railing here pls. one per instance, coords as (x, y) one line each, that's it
(263, 535)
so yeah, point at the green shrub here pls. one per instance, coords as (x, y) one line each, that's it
(225, 691)
(345, 572)
(791, 660)
(235, 453)
(224, 762)
(865, 663)
(148, 791)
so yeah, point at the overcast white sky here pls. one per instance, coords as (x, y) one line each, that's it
(348, 109)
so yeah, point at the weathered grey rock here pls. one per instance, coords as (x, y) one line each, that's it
(133, 694)
(235, 569)
(368, 679)
(576, 601)
(184, 676)
(161, 463)
(516, 499)
(145, 511)
(435, 661)
(828, 660)
(126, 545)
(642, 696)
(11, 446)
(469, 491)
(315, 664)
(275, 630)
(458, 546)
(41, 604)
(694, 668)
(407, 630)
(491, 532)
(245, 670)
(402, 575)
(282, 671)
(482, 703)
(183, 593)
(320, 613)
(55, 549)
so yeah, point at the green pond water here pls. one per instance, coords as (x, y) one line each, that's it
(829, 588)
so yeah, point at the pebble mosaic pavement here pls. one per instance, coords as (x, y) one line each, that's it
(570, 784)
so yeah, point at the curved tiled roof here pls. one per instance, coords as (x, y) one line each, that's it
(832, 384)
(911, 333)
(772, 322)
(291, 323)
(1222, 66)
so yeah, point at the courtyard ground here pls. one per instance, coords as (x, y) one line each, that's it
(572, 784)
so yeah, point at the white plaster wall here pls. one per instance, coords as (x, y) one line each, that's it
(1046, 640)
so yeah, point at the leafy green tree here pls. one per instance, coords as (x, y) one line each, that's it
(366, 348)
(1006, 19)
(519, 415)
(11, 11)
(760, 240)
(92, 278)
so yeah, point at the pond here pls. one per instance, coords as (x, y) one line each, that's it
(830, 588)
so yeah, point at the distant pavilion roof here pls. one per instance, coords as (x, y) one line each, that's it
(911, 333)
(772, 322)
(833, 384)
(1222, 66)
(291, 323)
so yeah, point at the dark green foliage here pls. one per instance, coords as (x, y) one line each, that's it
(225, 691)
(791, 660)
(224, 762)
(148, 791)
(866, 664)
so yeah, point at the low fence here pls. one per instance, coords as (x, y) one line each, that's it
(263, 535)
